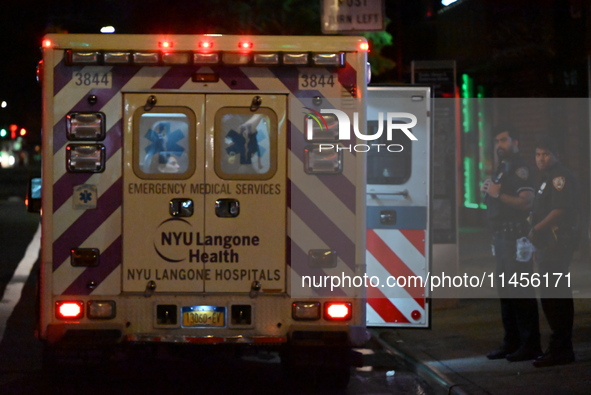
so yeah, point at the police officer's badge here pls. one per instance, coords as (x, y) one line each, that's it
(558, 183)
(522, 173)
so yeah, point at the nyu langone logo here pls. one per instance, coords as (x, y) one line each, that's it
(344, 125)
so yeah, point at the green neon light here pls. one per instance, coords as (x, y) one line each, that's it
(467, 90)
(482, 139)
(469, 179)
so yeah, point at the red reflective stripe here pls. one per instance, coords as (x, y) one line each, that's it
(416, 238)
(384, 307)
(391, 262)
(270, 339)
(204, 340)
(421, 302)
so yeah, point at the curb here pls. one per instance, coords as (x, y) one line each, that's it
(434, 378)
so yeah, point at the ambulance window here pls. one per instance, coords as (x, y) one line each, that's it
(391, 164)
(246, 144)
(164, 143)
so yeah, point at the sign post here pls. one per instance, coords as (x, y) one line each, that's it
(351, 16)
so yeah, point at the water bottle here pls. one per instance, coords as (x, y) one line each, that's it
(525, 250)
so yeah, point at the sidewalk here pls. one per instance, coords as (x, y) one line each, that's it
(451, 355)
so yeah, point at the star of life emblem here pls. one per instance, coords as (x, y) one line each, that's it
(84, 197)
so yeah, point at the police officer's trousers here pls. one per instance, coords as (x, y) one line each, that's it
(556, 298)
(519, 307)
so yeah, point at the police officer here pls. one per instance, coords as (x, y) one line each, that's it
(554, 233)
(509, 195)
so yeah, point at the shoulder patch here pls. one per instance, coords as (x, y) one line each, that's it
(559, 183)
(522, 173)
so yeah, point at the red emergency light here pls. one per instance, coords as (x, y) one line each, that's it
(69, 310)
(46, 44)
(205, 45)
(245, 45)
(165, 44)
(338, 311)
(364, 46)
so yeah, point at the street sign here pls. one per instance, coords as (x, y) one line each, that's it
(350, 16)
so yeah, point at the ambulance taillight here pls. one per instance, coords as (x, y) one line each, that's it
(101, 309)
(338, 311)
(69, 310)
(305, 311)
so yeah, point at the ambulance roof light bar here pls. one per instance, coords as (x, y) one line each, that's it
(245, 45)
(166, 44)
(205, 45)
(157, 58)
(166, 53)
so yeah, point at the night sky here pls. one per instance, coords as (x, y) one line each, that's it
(23, 24)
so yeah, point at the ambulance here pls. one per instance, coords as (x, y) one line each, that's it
(191, 195)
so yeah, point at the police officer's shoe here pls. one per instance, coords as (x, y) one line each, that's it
(554, 358)
(524, 354)
(500, 353)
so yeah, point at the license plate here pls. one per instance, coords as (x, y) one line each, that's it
(203, 316)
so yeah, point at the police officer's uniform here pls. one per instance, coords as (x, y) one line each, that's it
(519, 309)
(555, 248)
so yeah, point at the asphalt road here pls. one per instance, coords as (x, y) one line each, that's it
(157, 371)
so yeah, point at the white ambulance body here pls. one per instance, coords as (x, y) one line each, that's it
(398, 207)
(184, 199)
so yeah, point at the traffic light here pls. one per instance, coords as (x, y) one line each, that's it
(22, 132)
(13, 128)
(3, 133)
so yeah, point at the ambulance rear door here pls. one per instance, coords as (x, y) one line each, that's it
(246, 150)
(163, 181)
(204, 193)
(398, 209)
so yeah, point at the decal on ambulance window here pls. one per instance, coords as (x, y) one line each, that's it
(164, 143)
(391, 164)
(246, 143)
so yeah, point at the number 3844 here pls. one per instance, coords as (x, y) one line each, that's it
(312, 81)
(95, 80)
